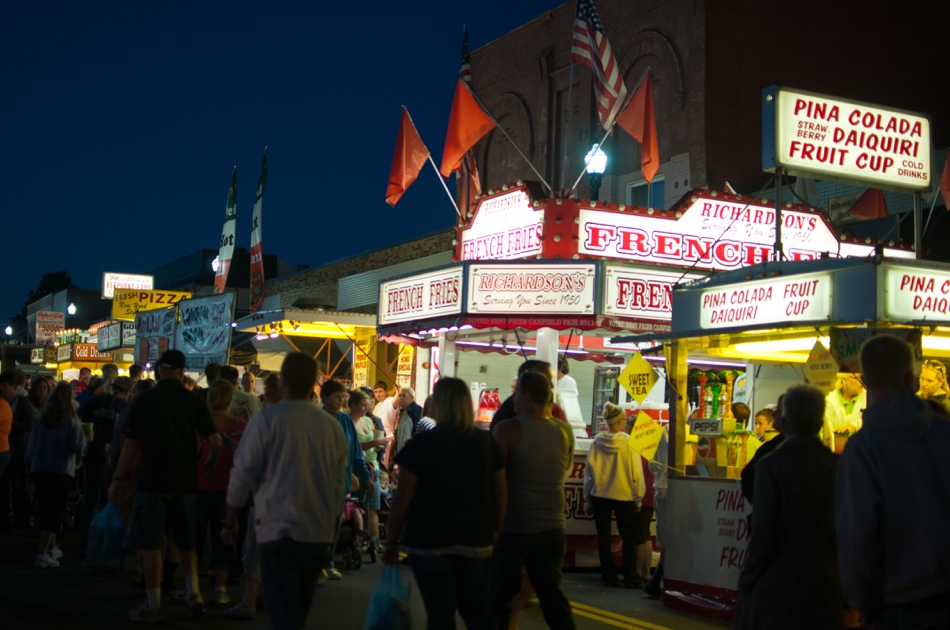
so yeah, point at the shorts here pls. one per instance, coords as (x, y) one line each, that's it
(52, 493)
(372, 498)
(152, 511)
(642, 525)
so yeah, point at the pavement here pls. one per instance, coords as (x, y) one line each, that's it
(73, 598)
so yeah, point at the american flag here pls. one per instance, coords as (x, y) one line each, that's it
(469, 168)
(591, 48)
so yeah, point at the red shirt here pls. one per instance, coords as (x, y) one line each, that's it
(218, 481)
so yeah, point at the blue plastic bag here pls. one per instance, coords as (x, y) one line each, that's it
(389, 606)
(104, 548)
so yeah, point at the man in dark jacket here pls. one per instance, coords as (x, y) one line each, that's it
(893, 499)
(15, 475)
(790, 579)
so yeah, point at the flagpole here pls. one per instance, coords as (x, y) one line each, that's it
(511, 140)
(445, 186)
(614, 122)
(567, 123)
(930, 214)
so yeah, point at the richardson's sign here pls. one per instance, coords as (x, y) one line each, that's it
(641, 293)
(420, 297)
(805, 297)
(914, 294)
(112, 281)
(505, 227)
(833, 138)
(535, 289)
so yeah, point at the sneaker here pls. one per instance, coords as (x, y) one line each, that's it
(196, 607)
(220, 597)
(333, 574)
(652, 589)
(148, 615)
(181, 594)
(239, 612)
(45, 562)
(55, 553)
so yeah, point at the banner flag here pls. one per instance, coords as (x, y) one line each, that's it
(467, 124)
(639, 120)
(257, 252)
(408, 159)
(226, 248)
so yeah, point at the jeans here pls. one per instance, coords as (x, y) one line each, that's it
(447, 582)
(289, 571)
(210, 514)
(626, 524)
(94, 496)
(928, 614)
(336, 540)
(542, 554)
(14, 491)
(251, 557)
(4, 462)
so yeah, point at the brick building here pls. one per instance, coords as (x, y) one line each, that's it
(709, 63)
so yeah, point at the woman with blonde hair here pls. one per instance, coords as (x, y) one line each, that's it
(56, 442)
(933, 384)
(453, 495)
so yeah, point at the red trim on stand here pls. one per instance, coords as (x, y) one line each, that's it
(709, 601)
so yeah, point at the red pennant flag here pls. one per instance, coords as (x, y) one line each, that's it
(945, 183)
(467, 124)
(639, 120)
(870, 205)
(410, 156)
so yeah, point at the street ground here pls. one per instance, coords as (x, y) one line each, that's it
(72, 598)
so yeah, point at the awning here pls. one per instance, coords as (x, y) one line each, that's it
(306, 322)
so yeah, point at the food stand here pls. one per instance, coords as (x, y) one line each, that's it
(553, 277)
(769, 317)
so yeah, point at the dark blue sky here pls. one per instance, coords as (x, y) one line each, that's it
(121, 122)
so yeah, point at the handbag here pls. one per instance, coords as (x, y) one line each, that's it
(104, 548)
(389, 606)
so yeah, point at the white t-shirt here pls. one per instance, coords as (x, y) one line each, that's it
(387, 412)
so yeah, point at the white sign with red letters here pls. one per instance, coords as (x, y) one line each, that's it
(112, 281)
(915, 294)
(805, 297)
(641, 292)
(504, 228)
(536, 289)
(858, 142)
(421, 296)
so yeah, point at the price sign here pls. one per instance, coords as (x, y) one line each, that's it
(645, 435)
(638, 378)
(821, 369)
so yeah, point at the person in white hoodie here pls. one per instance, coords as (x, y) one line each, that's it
(613, 484)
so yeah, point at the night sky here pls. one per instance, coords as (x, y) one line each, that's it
(121, 122)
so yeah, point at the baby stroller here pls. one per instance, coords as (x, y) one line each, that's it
(349, 544)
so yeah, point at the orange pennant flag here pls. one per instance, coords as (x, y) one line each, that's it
(945, 184)
(639, 120)
(410, 156)
(870, 205)
(467, 124)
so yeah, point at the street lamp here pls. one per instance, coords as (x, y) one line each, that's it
(71, 309)
(215, 263)
(596, 161)
(9, 331)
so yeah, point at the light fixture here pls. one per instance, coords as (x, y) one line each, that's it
(596, 163)
(215, 263)
(71, 309)
(8, 330)
(273, 332)
(233, 324)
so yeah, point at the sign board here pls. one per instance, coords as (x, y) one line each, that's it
(821, 369)
(838, 139)
(64, 353)
(112, 281)
(154, 332)
(709, 517)
(846, 344)
(638, 378)
(407, 355)
(127, 302)
(109, 337)
(915, 294)
(203, 332)
(803, 297)
(421, 296)
(533, 289)
(37, 356)
(504, 227)
(705, 426)
(711, 233)
(89, 352)
(645, 435)
(361, 364)
(47, 324)
(641, 293)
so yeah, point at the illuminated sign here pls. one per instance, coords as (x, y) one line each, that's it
(112, 281)
(421, 296)
(114, 336)
(641, 292)
(705, 426)
(529, 288)
(805, 297)
(48, 323)
(505, 227)
(127, 302)
(916, 294)
(833, 138)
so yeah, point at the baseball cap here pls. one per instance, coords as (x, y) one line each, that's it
(172, 360)
(123, 383)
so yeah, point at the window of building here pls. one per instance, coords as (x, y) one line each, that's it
(648, 195)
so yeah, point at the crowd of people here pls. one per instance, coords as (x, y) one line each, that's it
(478, 515)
